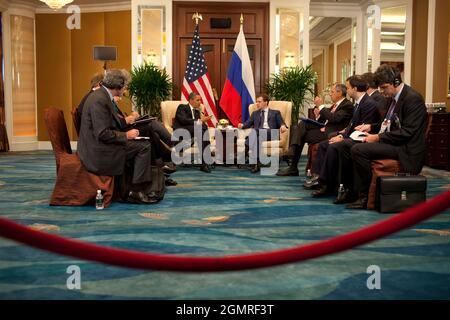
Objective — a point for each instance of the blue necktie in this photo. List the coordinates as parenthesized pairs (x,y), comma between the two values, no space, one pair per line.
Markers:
(391,110)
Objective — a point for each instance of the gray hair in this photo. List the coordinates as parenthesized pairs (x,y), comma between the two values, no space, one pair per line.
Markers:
(341,88)
(116,79)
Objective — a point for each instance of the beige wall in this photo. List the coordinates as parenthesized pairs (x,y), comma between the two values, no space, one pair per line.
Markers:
(440,83)
(344,53)
(419,46)
(64,58)
(318,66)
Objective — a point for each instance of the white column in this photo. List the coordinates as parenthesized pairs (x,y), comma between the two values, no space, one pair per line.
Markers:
(430,51)
(21,138)
(167,5)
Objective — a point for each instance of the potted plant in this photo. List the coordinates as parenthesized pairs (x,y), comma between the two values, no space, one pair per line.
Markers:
(149,86)
(292,84)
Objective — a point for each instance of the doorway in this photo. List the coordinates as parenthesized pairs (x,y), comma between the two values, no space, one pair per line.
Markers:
(218,39)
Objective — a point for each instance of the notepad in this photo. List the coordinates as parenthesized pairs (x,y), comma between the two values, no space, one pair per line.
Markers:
(142,138)
(358,135)
(313,122)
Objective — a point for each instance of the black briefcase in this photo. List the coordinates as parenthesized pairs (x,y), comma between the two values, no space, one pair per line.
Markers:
(396,193)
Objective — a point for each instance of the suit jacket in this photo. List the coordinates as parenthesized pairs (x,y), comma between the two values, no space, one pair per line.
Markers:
(274,120)
(183,117)
(101,145)
(338,119)
(408,132)
(367,113)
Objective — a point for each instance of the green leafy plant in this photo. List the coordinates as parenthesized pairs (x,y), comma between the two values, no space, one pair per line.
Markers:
(149,86)
(292,84)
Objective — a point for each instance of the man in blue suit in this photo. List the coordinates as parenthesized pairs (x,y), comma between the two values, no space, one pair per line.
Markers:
(263,120)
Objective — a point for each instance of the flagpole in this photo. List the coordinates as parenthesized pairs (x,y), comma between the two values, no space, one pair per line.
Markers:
(242,19)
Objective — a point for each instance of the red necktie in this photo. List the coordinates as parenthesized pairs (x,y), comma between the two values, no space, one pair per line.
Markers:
(333,108)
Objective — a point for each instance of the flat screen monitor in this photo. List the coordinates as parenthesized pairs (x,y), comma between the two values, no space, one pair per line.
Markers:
(105,53)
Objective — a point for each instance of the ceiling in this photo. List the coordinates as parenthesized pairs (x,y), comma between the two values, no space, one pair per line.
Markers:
(38,3)
(325,28)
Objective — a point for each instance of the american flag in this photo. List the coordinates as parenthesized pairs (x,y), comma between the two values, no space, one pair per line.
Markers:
(196,79)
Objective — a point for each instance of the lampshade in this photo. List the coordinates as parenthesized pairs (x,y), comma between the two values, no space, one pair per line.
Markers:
(56,4)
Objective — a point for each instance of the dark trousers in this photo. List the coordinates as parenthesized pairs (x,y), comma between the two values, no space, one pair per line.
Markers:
(156,131)
(362,155)
(256,145)
(139,152)
(327,164)
(304,134)
(204,146)
(345,166)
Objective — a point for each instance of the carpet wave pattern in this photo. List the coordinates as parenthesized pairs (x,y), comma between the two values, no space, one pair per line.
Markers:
(230,211)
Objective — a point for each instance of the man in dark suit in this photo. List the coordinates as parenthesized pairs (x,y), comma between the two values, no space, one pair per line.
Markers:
(104,146)
(189,117)
(401,136)
(335,119)
(262,119)
(327,163)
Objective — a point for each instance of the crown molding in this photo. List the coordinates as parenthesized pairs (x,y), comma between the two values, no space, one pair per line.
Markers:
(327,9)
(89,8)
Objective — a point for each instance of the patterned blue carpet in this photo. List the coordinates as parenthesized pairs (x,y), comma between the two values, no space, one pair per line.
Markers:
(230,211)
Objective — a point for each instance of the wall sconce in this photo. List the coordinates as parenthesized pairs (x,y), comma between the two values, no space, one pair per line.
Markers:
(289,60)
(152,57)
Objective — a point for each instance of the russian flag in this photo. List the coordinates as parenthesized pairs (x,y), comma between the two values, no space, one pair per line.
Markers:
(239,89)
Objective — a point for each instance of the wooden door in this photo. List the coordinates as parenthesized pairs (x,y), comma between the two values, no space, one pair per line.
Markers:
(218,43)
(254,52)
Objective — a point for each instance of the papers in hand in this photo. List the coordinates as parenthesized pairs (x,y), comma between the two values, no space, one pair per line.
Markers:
(313,122)
(142,138)
(358,135)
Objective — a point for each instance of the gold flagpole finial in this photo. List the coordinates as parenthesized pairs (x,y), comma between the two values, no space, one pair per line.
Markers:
(242,19)
(196,16)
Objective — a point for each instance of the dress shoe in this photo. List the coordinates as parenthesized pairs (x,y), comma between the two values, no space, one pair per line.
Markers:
(361,203)
(140,198)
(167,168)
(321,192)
(311,185)
(255,169)
(205,168)
(289,171)
(170,182)
(344,197)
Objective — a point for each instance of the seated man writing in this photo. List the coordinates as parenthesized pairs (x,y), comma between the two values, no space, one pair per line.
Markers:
(104,145)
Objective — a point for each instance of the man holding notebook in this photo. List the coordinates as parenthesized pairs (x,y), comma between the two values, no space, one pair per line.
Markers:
(333,119)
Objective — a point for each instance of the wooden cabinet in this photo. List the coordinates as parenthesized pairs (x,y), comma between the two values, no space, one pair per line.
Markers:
(438,140)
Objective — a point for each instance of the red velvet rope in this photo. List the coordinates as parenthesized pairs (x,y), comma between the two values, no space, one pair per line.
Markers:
(141,260)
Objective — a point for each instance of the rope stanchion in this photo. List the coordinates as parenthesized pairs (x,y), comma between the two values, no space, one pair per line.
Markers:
(163,262)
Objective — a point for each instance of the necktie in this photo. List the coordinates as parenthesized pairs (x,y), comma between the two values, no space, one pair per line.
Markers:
(193,113)
(333,108)
(356,108)
(350,126)
(391,110)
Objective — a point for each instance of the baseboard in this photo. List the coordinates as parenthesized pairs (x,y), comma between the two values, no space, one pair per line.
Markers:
(47,145)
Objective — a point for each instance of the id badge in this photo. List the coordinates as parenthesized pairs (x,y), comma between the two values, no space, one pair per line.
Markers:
(385,126)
